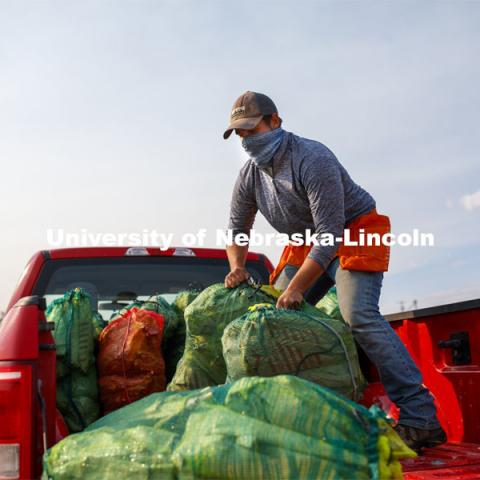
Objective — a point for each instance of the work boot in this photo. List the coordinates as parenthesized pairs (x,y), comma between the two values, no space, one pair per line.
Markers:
(419,438)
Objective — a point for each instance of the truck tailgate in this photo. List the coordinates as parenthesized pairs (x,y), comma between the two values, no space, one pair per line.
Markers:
(450,461)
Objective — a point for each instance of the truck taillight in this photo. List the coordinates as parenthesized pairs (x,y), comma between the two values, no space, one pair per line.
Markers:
(16,407)
(9,461)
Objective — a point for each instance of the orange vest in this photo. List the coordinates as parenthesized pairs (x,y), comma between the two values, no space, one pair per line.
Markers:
(363,257)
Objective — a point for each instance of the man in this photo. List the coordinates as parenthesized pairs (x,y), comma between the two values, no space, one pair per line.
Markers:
(298,184)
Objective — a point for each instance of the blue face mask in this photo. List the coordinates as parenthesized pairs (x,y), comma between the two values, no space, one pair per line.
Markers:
(261,147)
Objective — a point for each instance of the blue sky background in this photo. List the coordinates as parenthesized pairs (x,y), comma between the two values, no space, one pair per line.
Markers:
(111,115)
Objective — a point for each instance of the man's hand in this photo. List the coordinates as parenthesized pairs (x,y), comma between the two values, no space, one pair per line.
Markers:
(290,299)
(236,277)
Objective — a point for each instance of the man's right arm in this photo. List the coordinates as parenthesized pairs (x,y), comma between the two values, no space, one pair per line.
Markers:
(242,215)
(237,257)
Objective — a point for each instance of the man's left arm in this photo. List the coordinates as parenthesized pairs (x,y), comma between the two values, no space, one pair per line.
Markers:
(323,185)
(300,283)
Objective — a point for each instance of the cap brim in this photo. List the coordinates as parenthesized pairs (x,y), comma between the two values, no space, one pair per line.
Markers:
(248,123)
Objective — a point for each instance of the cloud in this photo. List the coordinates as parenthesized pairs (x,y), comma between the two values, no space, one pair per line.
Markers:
(471,201)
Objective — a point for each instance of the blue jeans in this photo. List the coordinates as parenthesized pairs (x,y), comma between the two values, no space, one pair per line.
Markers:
(358,297)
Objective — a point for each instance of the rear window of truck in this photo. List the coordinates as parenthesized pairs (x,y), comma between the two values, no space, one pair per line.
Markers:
(114,282)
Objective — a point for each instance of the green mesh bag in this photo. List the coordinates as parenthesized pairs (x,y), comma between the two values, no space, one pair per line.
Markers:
(74,330)
(202,363)
(329,304)
(175,345)
(267,341)
(159,305)
(77,399)
(184,299)
(257,428)
(98,324)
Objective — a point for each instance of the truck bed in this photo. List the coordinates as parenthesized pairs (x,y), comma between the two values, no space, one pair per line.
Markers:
(442,340)
(450,461)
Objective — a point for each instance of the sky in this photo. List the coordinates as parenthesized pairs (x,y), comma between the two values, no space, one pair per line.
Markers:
(112,114)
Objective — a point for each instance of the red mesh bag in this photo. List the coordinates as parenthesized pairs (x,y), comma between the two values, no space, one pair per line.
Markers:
(130,360)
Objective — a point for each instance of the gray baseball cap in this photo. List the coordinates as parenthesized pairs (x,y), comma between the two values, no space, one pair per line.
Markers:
(248,111)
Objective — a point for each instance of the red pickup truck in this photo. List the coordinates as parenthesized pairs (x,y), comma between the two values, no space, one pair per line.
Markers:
(443,341)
